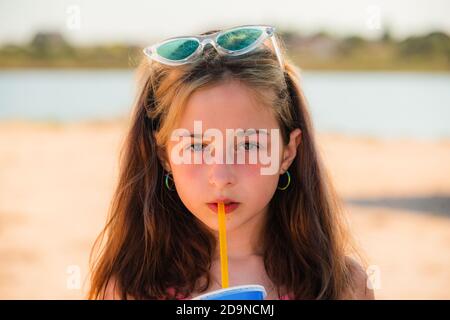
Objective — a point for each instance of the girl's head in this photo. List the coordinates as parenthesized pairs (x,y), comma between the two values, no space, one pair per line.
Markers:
(161,238)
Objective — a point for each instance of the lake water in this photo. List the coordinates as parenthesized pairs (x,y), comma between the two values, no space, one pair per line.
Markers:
(378,104)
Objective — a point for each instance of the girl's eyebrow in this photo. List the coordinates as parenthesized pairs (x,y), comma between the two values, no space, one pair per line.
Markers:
(250,132)
(246,132)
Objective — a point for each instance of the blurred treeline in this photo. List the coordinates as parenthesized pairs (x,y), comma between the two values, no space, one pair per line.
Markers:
(429,52)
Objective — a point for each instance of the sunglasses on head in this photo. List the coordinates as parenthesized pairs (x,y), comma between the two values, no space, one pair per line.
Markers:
(233,42)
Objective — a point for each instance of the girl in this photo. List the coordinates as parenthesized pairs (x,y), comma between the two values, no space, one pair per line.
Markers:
(285,230)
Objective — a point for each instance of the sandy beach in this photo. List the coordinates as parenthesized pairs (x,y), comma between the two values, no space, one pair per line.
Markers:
(56,182)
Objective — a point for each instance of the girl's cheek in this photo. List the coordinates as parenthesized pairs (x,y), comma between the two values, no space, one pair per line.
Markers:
(257,189)
(249,170)
(251,174)
(189,171)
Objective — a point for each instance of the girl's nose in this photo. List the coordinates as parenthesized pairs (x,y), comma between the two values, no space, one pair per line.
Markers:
(221,175)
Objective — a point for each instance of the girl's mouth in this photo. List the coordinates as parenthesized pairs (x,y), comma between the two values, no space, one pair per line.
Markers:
(229,207)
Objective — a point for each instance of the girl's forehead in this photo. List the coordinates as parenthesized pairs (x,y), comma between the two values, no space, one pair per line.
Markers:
(228,120)
(229,105)
(223,94)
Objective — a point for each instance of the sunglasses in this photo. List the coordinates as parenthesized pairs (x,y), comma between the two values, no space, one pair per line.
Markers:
(232,42)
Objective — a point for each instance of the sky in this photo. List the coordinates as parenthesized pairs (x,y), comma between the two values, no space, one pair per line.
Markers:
(142,22)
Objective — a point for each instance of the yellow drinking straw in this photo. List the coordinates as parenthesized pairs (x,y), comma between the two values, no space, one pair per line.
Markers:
(223,245)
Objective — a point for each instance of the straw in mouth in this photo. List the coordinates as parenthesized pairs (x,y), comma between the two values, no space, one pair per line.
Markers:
(223,245)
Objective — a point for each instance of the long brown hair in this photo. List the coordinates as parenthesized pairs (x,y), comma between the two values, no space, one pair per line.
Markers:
(154,243)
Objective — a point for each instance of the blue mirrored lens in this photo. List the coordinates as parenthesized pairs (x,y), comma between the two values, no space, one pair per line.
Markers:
(178,49)
(238,39)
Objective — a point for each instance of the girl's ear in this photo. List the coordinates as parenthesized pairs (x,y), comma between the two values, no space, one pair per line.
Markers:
(163,160)
(290,150)
(162,157)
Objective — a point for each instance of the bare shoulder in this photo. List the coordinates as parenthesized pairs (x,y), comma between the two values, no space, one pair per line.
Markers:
(360,291)
(112,290)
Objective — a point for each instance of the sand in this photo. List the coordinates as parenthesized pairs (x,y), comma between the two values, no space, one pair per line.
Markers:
(56,182)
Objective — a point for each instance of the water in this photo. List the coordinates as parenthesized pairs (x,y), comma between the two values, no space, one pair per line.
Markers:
(65,95)
(378,104)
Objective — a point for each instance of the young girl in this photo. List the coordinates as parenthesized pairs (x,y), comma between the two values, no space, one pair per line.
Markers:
(285,230)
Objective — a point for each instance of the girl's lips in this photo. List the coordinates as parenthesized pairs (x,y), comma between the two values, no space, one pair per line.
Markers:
(228,207)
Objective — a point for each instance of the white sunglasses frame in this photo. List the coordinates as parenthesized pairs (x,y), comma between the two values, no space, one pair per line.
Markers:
(267,32)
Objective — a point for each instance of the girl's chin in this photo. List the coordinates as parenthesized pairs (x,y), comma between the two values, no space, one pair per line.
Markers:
(213,225)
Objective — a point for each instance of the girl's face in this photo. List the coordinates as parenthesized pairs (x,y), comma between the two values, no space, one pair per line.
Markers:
(228,106)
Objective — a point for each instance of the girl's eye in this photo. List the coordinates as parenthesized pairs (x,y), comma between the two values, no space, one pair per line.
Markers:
(250,145)
(201,147)
(196,146)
